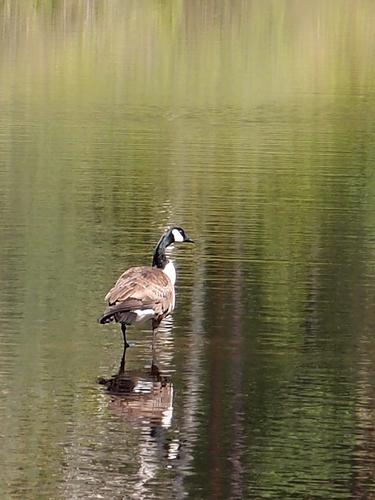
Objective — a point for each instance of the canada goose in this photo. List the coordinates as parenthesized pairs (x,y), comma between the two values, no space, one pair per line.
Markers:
(145,293)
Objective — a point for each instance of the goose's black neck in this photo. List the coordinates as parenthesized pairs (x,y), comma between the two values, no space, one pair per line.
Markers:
(160,259)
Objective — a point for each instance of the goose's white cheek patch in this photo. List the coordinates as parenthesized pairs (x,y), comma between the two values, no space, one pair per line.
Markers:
(177,236)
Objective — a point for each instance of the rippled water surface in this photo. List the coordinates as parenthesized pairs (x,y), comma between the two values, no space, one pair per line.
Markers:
(251,124)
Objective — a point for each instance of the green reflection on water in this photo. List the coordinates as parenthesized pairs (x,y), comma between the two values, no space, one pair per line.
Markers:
(250,124)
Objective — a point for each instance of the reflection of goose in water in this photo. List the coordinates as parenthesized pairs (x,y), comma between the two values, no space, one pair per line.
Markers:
(144,397)
(145,293)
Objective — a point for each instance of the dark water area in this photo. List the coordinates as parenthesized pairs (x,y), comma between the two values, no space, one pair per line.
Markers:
(251,125)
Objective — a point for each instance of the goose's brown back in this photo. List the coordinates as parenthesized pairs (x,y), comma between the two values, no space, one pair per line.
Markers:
(139,288)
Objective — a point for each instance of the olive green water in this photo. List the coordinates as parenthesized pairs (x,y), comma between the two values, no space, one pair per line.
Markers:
(252,125)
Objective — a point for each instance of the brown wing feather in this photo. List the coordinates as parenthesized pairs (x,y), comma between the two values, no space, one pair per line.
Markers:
(142,287)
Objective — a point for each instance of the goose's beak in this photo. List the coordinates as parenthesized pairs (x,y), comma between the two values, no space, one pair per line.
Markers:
(188,240)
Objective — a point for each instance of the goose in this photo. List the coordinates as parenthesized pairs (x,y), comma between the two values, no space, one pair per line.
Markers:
(145,293)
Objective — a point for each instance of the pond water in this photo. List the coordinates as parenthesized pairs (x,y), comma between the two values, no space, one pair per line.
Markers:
(251,125)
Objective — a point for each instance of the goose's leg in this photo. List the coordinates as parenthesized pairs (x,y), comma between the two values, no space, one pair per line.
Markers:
(123,329)
(122,363)
(155,325)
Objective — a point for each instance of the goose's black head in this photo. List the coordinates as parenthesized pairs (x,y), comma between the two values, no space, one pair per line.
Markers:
(173,234)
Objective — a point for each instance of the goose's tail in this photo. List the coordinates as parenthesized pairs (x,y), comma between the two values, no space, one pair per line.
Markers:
(119,313)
